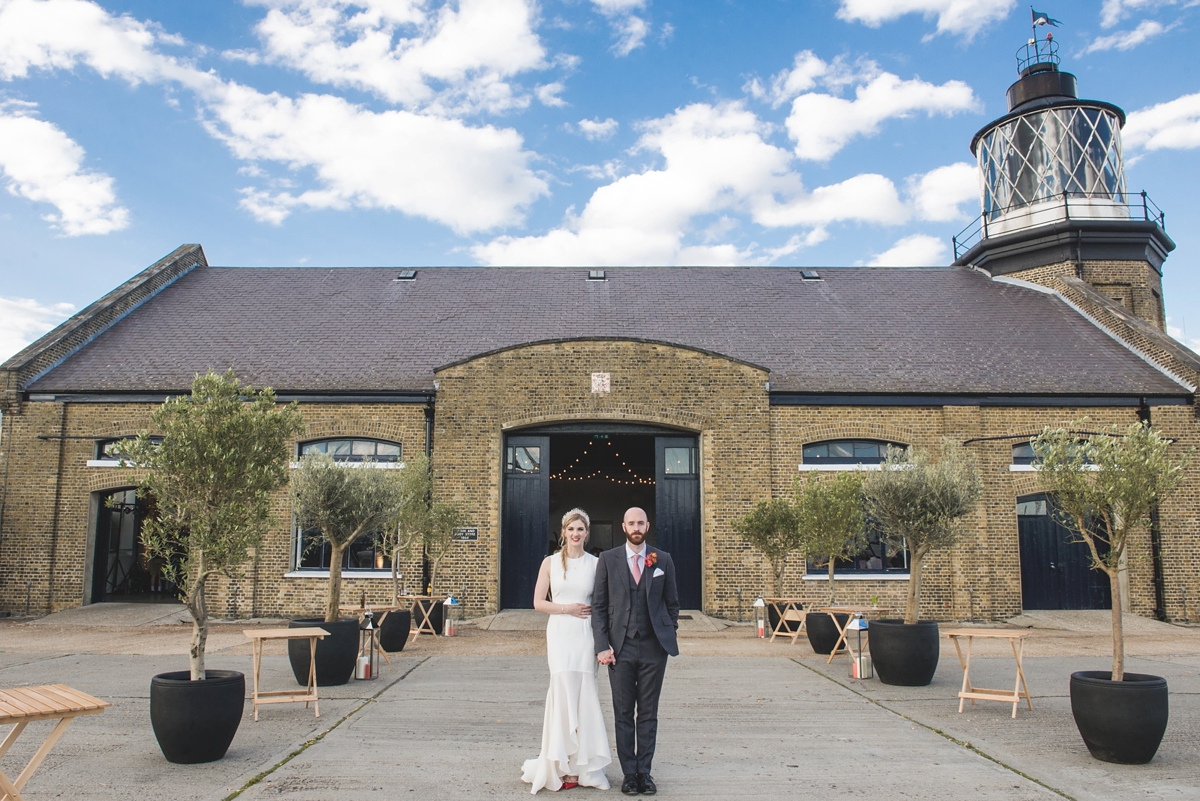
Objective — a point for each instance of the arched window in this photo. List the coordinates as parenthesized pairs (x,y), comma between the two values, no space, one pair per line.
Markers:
(1022,453)
(354,449)
(847,452)
(113,448)
(312,552)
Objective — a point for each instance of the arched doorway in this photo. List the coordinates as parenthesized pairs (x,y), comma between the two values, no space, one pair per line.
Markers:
(121,568)
(1056,568)
(604,469)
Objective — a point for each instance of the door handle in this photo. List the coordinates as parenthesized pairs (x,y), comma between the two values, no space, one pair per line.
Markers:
(1053,566)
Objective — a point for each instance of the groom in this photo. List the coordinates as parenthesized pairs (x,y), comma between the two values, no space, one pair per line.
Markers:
(635,612)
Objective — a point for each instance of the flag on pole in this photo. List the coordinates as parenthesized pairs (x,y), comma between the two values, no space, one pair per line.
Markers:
(1042,18)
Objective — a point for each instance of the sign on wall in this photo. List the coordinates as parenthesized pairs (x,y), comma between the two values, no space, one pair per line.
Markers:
(465,534)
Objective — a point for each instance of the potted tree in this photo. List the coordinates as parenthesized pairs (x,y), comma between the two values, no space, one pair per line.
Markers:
(223,452)
(1105,488)
(343,502)
(919,503)
(772,527)
(830,518)
(438,538)
(412,520)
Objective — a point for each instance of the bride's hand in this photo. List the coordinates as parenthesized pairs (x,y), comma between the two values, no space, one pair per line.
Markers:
(578,610)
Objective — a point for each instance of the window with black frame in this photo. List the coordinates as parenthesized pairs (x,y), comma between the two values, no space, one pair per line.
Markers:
(113,449)
(1022,454)
(364,553)
(847,452)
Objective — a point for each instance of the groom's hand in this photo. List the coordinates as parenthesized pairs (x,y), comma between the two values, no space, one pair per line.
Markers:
(606,657)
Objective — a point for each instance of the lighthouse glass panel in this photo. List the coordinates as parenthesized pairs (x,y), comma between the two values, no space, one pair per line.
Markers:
(1064,151)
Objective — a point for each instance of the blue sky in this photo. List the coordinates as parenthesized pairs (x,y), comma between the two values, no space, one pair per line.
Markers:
(423,132)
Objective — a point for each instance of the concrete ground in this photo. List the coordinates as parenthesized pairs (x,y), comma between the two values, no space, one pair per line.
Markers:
(740,718)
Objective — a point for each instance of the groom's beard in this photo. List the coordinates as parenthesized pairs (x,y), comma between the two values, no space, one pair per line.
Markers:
(635,538)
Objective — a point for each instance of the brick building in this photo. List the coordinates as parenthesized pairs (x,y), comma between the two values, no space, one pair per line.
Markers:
(694,392)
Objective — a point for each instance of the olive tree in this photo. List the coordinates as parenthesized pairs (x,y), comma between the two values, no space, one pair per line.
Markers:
(412,517)
(343,501)
(1105,487)
(224,451)
(919,502)
(443,519)
(772,527)
(829,514)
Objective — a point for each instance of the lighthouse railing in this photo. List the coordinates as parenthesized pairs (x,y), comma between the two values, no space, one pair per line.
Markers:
(1063,208)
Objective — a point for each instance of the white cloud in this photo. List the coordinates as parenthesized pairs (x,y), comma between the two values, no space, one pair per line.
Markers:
(468,178)
(598,129)
(1174,125)
(457,58)
(806,69)
(1127,40)
(939,194)
(963,17)
(23,320)
(548,94)
(822,124)
(717,163)
(43,164)
(918,250)
(1113,11)
(629,29)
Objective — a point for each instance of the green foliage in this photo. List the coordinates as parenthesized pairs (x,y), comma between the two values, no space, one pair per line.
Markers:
(829,514)
(224,450)
(920,503)
(772,527)
(438,536)
(1105,487)
(344,501)
(412,516)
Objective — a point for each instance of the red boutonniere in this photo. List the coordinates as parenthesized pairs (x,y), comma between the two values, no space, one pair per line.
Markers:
(651,558)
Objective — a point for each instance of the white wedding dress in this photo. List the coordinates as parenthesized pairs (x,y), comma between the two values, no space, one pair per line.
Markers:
(574,739)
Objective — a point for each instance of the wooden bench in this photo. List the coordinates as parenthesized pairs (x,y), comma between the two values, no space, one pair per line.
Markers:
(20,707)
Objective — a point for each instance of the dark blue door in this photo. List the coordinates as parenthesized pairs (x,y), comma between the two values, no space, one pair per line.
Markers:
(677,512)
(525,529)
(1056,571)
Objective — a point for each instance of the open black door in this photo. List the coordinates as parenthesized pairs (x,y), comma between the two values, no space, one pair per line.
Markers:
(677,512)
(524,530)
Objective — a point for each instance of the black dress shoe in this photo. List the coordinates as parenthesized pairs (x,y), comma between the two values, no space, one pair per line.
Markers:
(646,784)
(631,785)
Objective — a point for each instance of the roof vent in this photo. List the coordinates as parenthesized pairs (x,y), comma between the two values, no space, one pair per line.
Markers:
(810,275)
(406,275)
(596,275)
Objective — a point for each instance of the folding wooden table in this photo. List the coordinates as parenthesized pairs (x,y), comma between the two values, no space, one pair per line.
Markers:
(849,612)
(361,611)
(789,611)
(19,707)
(312,634)
(422,614)
(1016,638)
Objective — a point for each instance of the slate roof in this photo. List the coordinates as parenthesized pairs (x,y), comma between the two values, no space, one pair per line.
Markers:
(860,330)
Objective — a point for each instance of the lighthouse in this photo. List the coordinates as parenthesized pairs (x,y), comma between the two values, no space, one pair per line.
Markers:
(1054,201)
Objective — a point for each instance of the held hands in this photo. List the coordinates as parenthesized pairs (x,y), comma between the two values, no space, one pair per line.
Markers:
(577,610)
(606,657)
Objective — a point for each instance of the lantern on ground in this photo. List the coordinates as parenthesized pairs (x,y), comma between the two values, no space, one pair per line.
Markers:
(760,617)
(365,667)
(451,608)
(860,663)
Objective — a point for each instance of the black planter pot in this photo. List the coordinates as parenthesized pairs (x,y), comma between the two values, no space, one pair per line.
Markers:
(394,630)
(822,634)
(335,654)
(194,721)
(1121,721)
(904,655)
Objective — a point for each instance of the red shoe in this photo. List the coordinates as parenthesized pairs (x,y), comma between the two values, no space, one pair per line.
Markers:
(569,785)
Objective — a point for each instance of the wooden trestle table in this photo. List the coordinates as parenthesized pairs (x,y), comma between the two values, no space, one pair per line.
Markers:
(21,706)
(1016,638)
(312,634)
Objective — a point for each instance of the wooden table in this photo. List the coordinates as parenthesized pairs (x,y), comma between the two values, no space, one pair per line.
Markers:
(312,634)
(422,614)
(374,610)
(19,707)
(789,610)
(1016,638)
(849,612)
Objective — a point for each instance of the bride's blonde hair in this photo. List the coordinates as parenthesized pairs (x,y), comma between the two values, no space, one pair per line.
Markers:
(569,518)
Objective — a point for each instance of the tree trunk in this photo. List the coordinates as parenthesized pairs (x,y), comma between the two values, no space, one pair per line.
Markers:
(831,565)
(395,577)
(195,606)
(1118,668)
(335,583)
(433,567)
(777,577)
(914,587)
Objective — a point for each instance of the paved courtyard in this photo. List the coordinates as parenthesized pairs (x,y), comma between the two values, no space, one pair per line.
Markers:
(740,718)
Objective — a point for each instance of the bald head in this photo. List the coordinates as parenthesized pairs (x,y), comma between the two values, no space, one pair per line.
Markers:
(636,526)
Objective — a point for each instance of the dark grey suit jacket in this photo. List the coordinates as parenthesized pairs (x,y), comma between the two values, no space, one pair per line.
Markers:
(610,600)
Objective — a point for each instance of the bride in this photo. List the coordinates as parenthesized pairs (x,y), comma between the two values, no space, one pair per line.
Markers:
(574,740)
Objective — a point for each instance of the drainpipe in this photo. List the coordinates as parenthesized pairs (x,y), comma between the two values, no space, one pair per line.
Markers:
(62,444)
(1160,604)
(428,454)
